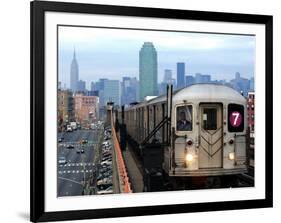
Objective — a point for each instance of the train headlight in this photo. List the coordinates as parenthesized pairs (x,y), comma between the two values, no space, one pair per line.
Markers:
(189,157)
(231,156)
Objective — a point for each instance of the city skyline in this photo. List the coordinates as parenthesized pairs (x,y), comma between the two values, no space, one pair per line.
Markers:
(130,90)
(114,53)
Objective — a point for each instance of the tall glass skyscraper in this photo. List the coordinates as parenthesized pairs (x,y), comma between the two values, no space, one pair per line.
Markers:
(74,74)
(180,75)
(148,70)
(112,91)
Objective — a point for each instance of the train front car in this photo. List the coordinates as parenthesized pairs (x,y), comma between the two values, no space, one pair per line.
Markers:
(209,125)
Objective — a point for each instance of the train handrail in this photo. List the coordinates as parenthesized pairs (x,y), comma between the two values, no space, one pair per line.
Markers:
(152,133)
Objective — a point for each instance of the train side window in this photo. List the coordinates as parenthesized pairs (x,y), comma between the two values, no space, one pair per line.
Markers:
(235,118)
(184,118)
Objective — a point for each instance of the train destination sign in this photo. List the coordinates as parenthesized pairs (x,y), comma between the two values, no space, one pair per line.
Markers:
(235,118)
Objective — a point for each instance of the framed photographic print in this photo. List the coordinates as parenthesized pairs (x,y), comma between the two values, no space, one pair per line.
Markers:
(144,111)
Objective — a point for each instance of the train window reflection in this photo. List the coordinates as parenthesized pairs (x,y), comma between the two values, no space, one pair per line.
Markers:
(210,119)
(184,118)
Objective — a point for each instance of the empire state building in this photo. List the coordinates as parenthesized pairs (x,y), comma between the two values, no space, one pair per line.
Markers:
(74,74)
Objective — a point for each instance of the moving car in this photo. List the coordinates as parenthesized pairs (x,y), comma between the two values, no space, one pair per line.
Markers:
(62,160)
(70,146)
(84,141)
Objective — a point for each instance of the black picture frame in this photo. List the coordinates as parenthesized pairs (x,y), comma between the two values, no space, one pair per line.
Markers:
(37,157)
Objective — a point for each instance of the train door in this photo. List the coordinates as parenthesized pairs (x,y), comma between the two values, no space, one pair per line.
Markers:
(211,136)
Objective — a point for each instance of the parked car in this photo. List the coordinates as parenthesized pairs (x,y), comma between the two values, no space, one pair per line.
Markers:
(69,128)
(105,169)
(107,147)
(107,138)
(105,143)
(106,162)
(108,190)
(104,181)
(107,158)
(106,153)
(104,186)
(106,173)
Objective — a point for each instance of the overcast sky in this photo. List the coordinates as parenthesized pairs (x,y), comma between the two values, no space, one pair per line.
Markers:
(114,53)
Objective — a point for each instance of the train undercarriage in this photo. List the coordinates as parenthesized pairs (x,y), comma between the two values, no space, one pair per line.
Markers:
(156,179)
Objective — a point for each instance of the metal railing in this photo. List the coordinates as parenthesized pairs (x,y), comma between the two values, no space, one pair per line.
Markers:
(122,172)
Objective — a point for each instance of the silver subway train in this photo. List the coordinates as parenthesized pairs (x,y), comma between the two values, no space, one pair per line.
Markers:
(206,132)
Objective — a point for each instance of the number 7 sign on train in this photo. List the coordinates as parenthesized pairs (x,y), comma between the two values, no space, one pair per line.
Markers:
(235,118)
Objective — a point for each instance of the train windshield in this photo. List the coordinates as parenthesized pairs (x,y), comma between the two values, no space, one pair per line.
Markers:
(184,118)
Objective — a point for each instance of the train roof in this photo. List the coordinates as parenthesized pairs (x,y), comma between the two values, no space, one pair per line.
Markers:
(209,91)
(197,92)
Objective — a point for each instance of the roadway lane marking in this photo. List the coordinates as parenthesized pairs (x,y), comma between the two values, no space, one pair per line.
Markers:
(76,164)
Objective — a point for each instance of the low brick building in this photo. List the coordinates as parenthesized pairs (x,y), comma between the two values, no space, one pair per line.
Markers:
(251,110)
(86,109)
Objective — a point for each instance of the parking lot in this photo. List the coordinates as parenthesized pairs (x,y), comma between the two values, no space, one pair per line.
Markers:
(104,179)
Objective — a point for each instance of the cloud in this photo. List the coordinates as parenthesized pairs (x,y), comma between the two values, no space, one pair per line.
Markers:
(111,39)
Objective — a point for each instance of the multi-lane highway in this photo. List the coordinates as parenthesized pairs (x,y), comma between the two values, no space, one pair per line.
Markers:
(76,162)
